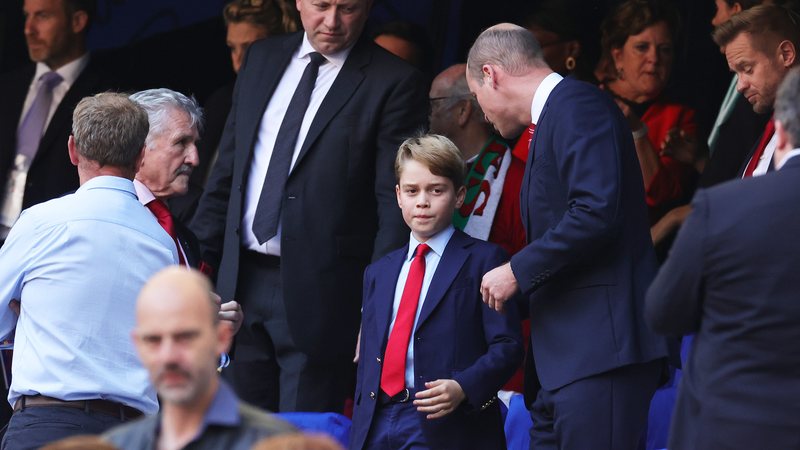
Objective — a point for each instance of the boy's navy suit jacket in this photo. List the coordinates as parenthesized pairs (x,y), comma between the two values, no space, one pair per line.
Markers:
(457,337)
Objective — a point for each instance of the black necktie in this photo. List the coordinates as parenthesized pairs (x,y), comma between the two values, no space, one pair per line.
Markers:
(265,223)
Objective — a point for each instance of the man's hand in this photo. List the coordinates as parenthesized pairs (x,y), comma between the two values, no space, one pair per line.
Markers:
(14,305)
(498,285)
(440,399)
(230,312)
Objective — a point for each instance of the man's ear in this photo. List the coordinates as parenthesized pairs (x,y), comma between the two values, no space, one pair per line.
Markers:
(489,73)
(140,158)
(464,112)
(73,150)
(79,22)
(788,53)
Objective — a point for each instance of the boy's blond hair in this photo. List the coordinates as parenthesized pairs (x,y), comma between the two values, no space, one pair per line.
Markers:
(439,154)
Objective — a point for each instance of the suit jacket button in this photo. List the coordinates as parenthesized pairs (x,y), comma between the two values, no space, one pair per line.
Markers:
(372,395)
(378,359)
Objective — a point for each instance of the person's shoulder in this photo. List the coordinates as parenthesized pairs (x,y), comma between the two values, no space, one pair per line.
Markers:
(477,247)
(289,41)
(134,431)
(257,419)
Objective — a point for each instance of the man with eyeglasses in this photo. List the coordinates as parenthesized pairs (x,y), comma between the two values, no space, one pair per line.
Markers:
(491,208)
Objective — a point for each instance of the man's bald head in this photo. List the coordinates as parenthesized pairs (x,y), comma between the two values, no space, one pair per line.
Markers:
(175,285)
(505,45)
(179,337)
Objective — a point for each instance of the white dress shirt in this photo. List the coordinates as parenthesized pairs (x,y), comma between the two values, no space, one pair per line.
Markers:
(268,133)
(766,157)
(437,244)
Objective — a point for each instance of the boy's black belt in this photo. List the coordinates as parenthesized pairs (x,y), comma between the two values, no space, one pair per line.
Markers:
(406,395)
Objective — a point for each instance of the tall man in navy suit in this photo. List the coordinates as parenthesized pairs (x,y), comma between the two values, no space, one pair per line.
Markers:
(34,163)
(293,252)
(589,257)
(731,278)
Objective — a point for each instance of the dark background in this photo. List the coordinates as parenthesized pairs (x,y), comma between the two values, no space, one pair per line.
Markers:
(180,44)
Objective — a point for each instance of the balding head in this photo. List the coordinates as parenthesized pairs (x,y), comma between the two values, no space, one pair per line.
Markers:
(455,112)
(179,337)
(506,45)
(176,289)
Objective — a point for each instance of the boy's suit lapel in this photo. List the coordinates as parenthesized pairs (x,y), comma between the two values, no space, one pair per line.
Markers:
(452,260)
(384,291)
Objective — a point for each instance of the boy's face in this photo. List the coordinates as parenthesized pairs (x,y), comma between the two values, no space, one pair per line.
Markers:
(427,200)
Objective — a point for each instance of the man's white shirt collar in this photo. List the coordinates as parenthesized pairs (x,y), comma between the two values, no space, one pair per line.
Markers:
(69,72)
(542,93)
(336,59)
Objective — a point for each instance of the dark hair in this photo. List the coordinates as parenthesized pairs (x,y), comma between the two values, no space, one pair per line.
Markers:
(277,16)
(632,17)
(767,24)
(88,6)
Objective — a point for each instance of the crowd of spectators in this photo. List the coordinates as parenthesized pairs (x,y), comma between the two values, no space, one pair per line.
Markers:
(618,225)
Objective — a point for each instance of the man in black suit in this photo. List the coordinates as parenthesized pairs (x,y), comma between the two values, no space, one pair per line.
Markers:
(731,278)
(170,156)
(334,211)
(34,164)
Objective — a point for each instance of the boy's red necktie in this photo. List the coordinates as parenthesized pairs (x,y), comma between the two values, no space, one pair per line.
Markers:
(394,361)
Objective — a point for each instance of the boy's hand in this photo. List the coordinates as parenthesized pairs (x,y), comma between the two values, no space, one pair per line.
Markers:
(498,285)
(440,399)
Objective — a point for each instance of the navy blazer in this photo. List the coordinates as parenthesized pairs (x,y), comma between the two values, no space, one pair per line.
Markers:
(732,278)
(339,208)
(51,173)
(590,258)
(457,337)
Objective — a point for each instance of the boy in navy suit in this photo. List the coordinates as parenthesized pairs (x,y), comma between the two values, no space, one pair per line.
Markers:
(432,354)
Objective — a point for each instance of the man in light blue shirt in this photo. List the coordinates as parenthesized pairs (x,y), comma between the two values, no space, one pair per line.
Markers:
(76,265)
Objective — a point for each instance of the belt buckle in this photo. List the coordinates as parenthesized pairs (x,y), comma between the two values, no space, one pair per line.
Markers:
(406,396)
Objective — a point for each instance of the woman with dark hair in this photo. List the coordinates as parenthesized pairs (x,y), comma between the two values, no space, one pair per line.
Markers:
(637,41)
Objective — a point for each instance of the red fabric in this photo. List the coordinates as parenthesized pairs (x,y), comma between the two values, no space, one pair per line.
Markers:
(507,229)
(164,217)
(394,360)
(674,178)
(769,130)
(522,147)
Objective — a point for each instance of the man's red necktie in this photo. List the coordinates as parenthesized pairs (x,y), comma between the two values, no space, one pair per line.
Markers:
(160,210)
(394,360)
(762,145)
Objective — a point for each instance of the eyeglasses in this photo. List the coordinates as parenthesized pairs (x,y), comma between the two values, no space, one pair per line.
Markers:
(432,100)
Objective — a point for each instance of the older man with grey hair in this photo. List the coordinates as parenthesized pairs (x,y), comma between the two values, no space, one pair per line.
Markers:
(170,155)
(76,264)
(491,207)
(589,257)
